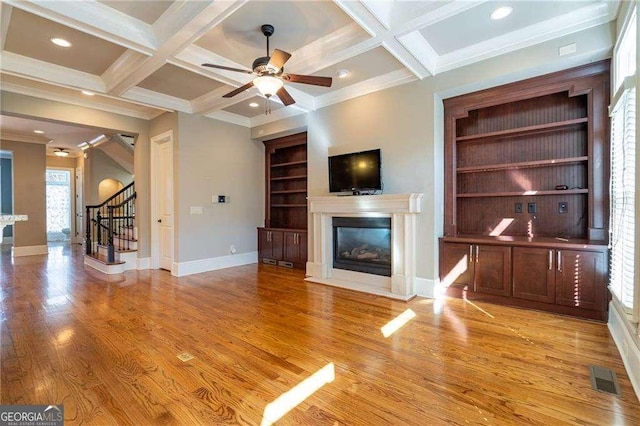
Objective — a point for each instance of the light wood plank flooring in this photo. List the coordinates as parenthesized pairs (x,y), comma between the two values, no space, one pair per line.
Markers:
(262,337)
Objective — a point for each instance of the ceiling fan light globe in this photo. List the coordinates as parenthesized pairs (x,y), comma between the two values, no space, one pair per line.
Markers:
(268,85)
(61,153)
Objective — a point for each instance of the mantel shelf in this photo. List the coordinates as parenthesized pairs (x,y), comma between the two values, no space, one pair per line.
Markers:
(531,193)
(524,130)
(522,165)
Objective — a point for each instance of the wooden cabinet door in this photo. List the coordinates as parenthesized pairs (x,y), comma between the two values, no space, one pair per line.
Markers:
(493,270)
(295,247)
(457,265)
(581,279)
(534,274)
(270,244)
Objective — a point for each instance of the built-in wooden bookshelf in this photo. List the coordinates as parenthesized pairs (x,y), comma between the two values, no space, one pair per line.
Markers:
(282,240)
(524,163)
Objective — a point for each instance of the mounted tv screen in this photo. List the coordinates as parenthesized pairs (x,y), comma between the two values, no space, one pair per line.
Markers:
(355,172)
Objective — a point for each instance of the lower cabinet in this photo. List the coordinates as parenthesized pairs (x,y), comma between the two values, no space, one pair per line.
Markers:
(569,281)
(478,268)
(564,277)
(282,247)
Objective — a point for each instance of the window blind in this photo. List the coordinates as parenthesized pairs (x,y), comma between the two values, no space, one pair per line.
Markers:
(623,189)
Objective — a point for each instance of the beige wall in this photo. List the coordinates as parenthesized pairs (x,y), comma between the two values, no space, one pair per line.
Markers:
(98,167)
(64,162)
(27,106)
(29,192)
(217,158)
(406,122)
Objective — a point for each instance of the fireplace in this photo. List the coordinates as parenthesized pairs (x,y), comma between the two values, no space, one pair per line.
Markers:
(362,244)
(402,211)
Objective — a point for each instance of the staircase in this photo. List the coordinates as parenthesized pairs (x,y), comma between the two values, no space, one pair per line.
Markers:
(111,236)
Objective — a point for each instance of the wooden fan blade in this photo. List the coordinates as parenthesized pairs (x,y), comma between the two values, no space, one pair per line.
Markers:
(285,97)
(239,90)
(220,67)
(308,79)
(278,59)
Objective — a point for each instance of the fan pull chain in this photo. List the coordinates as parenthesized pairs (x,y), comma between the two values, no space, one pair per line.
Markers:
(267,106)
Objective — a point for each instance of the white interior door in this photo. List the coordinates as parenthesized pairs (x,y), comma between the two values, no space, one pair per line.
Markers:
(162,203)
(165,205)
(79,206)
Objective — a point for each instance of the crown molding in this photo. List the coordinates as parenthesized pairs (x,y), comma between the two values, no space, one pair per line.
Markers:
(25,138)
(38,93)
(230,117)
(394,78)
(582,19)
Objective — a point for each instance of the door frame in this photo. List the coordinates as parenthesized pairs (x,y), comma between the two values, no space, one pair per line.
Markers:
(156,141)
(72,200)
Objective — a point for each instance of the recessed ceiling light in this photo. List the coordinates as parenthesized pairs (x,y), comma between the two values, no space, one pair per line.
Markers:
(342,73)
(88,93)
(254,105)
(60,42)
(501,13)
(38,131)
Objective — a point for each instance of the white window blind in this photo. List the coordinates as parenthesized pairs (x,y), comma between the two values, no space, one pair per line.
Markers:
(623,189)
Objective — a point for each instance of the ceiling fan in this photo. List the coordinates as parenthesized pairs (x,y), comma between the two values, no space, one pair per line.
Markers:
(270,75)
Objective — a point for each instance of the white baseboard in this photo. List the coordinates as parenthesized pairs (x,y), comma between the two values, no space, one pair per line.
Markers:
(130,260)
(628,346)
(29,250)
(425,287)
(204,265)
(143,263)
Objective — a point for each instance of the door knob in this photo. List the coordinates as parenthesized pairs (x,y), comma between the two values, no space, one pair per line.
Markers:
(159,220)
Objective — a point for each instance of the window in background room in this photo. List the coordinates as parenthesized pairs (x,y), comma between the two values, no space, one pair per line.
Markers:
(623,173)
(58,205)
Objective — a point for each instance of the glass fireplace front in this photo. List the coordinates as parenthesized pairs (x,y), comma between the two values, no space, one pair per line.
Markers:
(362,244)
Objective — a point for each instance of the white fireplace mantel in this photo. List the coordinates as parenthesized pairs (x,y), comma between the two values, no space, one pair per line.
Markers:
(401,208)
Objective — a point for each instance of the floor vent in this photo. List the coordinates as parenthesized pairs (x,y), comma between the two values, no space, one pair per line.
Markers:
(185,356)
(604,380)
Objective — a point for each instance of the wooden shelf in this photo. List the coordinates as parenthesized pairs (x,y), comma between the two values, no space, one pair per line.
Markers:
(524,130)
(290,191)
(289,177)
(290,163)
(288,205)
(522,165)
(523,193)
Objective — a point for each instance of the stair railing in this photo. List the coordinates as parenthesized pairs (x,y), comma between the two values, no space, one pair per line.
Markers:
(114,218)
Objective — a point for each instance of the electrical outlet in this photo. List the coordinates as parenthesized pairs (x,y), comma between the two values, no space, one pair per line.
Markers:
(518,208)
(563,207)
(222,198)
(532,208)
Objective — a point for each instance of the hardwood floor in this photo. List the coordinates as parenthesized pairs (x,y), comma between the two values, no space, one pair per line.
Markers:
(106,348)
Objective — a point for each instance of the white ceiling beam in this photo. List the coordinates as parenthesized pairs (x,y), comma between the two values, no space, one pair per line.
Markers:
(25,138)
(34,69)
(160,100)
(95,18)
(382,36)
(5,18)
(214,101)
(180,25)
(419,47)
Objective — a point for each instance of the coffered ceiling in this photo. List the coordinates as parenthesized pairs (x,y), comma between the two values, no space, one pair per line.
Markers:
(142,58)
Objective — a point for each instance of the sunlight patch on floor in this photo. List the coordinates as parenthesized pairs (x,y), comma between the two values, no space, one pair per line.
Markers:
(395,324)
(478,308)
(296,395)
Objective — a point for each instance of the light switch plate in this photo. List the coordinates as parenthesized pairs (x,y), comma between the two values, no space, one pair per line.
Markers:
(197,210)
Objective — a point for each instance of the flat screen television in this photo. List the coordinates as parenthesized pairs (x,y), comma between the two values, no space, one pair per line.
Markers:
(356,172)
